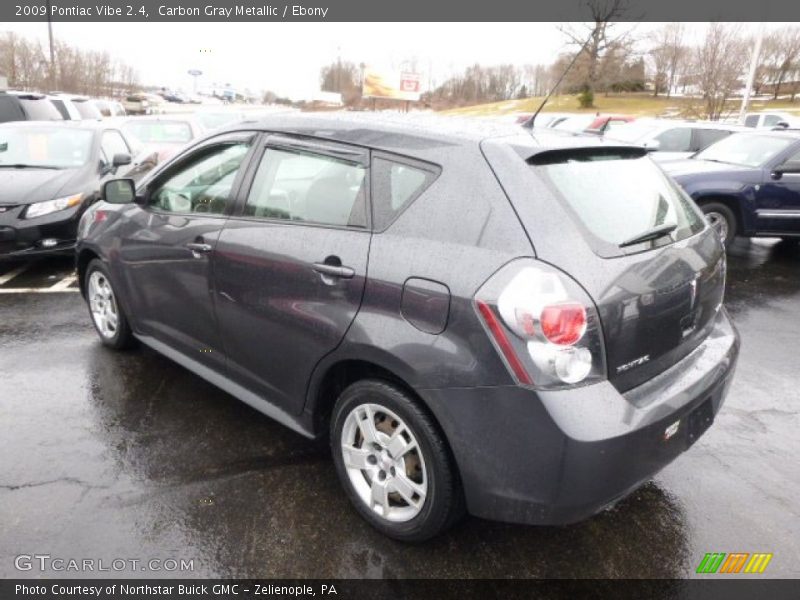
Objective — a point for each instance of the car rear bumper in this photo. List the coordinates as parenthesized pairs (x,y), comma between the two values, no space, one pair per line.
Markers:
(559,457)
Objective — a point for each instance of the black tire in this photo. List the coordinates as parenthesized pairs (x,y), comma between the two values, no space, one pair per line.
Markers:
(443,503)
(718,210)
(122,337)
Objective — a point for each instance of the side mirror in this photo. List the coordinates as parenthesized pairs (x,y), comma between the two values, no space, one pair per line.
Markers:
(790,167)
(652,145)
(119,191)
(121,159)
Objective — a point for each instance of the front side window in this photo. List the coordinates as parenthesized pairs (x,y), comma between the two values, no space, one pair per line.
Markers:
(113,144)
(203,184)
(312,188)
(772,120)
(678,139)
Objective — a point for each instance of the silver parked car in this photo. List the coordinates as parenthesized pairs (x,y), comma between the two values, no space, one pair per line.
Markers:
(669,140)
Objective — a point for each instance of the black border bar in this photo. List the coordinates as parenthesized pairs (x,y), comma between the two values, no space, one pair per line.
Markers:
(392,11)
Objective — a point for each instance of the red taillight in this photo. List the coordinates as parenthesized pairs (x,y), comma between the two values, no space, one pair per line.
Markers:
(503,343)
(563,324)
(100,216)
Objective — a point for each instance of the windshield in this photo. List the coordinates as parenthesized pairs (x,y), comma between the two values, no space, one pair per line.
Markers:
(214,120)
(159,132)
(53,148)
(619,196)
(632,132)
(746,149)
(577,123)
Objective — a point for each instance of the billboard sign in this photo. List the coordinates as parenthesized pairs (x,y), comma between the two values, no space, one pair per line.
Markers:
(395,85)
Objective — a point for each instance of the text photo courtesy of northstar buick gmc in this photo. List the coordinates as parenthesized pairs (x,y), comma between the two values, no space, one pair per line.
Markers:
(521,326)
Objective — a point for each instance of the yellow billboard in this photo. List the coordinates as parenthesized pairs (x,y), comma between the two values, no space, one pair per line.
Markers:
(396,85)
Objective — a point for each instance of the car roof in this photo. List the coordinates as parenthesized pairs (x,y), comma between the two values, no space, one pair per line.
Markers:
(415,132)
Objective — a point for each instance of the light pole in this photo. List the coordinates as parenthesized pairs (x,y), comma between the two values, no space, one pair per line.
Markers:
(52,77)
(751,75)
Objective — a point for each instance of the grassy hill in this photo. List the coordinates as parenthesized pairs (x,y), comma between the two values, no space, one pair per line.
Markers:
(640,105)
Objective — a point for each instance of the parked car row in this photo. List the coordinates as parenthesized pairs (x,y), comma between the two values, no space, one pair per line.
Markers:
(746,179)
(56,106)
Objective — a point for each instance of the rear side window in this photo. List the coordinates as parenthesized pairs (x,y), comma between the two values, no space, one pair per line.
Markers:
(40,109)
(678,139)
(87,110)
(59,104)
(395,185)
(751,121)
(307,187)
(617,197)
(703,138)
(10,109)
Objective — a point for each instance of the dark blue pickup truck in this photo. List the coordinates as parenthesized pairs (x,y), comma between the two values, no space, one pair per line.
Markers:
(747,184)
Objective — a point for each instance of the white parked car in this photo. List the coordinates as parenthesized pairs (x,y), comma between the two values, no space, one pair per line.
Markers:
(768,120)
(669,140)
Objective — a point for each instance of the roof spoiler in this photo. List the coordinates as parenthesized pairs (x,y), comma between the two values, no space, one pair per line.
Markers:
(585,153)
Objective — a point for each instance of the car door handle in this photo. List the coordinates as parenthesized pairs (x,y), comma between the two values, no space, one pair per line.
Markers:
(334,270)
(199,248)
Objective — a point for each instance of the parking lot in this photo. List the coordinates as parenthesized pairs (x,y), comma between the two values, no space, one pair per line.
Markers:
(127,455)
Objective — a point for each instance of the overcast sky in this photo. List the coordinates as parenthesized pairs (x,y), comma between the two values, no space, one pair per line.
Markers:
(286,57)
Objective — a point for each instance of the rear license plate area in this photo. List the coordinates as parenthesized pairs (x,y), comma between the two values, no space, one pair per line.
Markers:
(698,421)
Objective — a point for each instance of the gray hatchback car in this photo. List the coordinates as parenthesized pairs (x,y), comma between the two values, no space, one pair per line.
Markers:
(525,327)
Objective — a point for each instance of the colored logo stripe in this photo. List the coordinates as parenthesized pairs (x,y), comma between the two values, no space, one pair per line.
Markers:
(758,562)
(714,562)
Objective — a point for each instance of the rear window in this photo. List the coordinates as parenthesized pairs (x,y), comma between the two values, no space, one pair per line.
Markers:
(616,196)
(87,110)
(40,110)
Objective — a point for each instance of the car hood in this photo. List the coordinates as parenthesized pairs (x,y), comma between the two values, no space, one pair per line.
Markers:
(29,185)
(681,169)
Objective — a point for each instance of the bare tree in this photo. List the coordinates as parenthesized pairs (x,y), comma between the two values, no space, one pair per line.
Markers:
(719,62)
(596,37)
(785,58)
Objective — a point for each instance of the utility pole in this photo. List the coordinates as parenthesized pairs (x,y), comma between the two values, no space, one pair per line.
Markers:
(52,74)
(751,75)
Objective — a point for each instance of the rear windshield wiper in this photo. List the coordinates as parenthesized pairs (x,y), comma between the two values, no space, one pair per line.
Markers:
(650,234)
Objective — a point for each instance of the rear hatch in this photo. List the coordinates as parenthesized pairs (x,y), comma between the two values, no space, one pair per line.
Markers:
(588,210)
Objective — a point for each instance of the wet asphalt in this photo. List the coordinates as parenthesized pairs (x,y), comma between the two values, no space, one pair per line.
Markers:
(109,455)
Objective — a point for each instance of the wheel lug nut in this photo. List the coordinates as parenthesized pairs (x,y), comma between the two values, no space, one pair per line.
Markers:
(392,471)
(381,475)
(371,459)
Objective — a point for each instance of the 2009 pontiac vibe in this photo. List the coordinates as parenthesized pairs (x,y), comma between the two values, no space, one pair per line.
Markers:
(523,326)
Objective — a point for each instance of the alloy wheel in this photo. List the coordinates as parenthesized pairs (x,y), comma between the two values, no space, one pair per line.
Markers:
(103,305)
(384,462)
